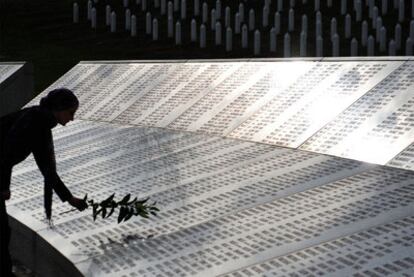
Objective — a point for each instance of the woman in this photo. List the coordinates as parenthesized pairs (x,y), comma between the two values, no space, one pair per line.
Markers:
(29,131)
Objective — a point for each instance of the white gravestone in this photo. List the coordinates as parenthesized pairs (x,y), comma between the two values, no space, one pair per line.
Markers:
(193,30)
(257,43)
(229,40)
(392,50)
(218,35)
(205,13)
(277,23)
(348,26)
(170,27)
(203,36)
(291,24)
(383,39)
(148,23)
(75,13)
(335,45)
(218,9)
(273,40)
(286,46)
(364,33)
(371,46)
(227,17)
(113,22)
(127,20)
(155,29)
(354,47)
(303,44)
(196,7)
(237,23)
(244,37)
(133,26)
(265,17)
(398,36)
(319,46)
(183,9)
(93,18)
(178,40)
(213,19)
(251,20)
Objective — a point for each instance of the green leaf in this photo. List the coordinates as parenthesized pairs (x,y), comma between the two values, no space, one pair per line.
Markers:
(94,211)
(103,212)
(143,201)
(107,201)
(129,214)
(133,201)
(125,200)
(122,213)
(112,210)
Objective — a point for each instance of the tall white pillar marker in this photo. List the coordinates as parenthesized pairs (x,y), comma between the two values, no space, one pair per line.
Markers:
(257,43)
(133,26)
(371,46)
(203,36)
(183,9)
(392,51)
(286,46)
(398,36)
(113,22)
(354,47)
(229,40)
(155,35)
(348,26)
(193,30)
(303,44)
(251,20)
(237,23)
(335,45)
(291,25)
(364,33)
(244,37)
(265,17)
(273,40)
(127,20)
(148,23)
(108,15)
(205,13)
(218,35)
(319,46)
(178,33)
(75,13)
(93,18)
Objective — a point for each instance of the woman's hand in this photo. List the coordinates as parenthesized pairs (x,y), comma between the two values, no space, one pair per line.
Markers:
(78,203)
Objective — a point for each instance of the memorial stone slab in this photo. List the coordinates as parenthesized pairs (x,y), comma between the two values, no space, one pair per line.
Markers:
(235,99)
(229,205)
(265,231)
(405,159)
(381,119)
(312,101)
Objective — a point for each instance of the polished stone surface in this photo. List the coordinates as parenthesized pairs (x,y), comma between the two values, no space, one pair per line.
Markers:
(207,141)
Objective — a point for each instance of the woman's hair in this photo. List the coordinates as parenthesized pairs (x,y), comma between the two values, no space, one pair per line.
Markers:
(59,99)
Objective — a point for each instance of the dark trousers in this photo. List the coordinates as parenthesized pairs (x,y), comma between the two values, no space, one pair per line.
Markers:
(5,260)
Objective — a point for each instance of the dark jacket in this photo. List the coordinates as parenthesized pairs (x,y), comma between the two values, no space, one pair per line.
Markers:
(29,131)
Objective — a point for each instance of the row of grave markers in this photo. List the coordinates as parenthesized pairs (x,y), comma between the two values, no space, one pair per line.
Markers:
(243,26)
